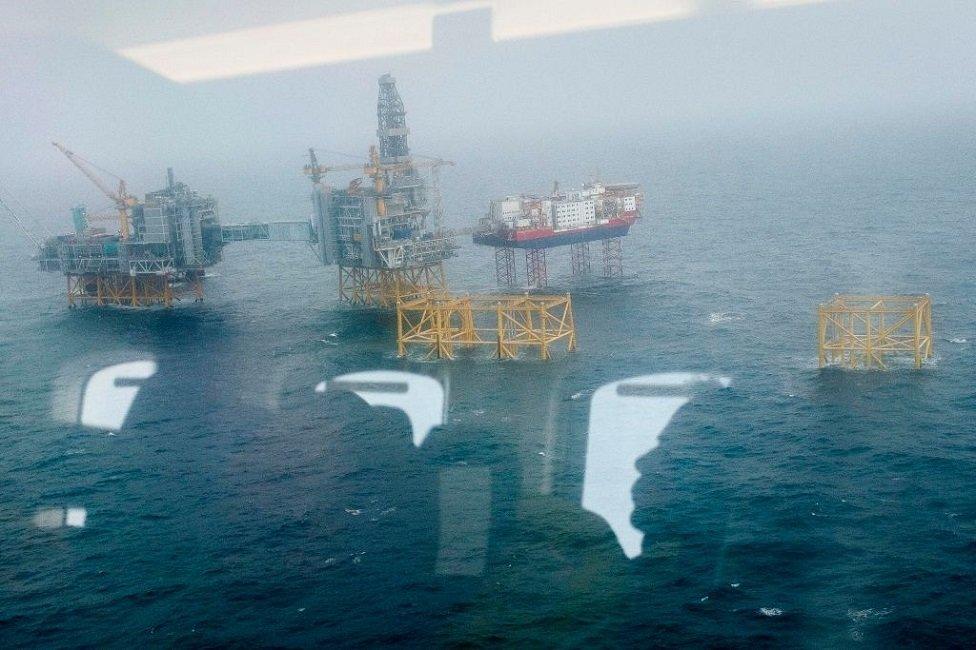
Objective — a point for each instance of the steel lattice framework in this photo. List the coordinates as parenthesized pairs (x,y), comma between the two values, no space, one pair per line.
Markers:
(142,290)
(535,268)
(580,258)
(505,273)
(391,120)
(862,331)
(613,264)
(506,323)
(384,288)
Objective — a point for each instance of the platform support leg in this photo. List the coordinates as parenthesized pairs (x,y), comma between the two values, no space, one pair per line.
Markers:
(579,255)
(612,258)
(505,274)
(196,284)
(535,268)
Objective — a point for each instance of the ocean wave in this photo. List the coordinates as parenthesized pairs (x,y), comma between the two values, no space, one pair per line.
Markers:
(859,617)
(864,614)
(724,317)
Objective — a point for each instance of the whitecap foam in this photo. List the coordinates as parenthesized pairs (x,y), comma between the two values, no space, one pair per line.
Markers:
(859,617)
(864,614)
(770,611)
(724,317)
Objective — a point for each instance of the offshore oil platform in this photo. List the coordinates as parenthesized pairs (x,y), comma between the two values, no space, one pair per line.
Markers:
(384,234)
(160,251)
(597,212)
(383,230)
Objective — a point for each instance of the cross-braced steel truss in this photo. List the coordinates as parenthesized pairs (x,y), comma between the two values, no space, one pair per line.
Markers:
(139,290)
(535,267)
(384,288)
(862,331)
(505,273)
(613,265)
(579,257)
(508,324)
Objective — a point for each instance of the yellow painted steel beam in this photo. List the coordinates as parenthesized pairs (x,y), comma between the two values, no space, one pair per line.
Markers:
(123,290)
(508,323)
(385,288)
(856,330)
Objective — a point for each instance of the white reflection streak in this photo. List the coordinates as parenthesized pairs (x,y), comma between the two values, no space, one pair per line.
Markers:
(106,403)
(773,4)
(292,45)
(419,397)
(75,517)
(382,32)
(61,517)
(395,31)
(626,421)
(516,19)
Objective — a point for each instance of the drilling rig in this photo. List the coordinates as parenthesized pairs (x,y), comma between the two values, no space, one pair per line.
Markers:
(383,230)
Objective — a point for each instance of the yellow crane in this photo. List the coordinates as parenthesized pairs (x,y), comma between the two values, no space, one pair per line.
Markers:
(315,171)
(374,169)
(120,196)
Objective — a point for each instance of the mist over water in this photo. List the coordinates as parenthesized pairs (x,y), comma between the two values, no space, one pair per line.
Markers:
(799,506)
(238,506)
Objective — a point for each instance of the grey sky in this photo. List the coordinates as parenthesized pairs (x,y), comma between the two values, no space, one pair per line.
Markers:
(731,65)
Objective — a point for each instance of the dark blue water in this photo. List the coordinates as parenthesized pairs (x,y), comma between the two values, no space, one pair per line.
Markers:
(798,506)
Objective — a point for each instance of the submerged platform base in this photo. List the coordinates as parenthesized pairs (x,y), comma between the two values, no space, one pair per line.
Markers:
(384,288)
(505,323)
(139,291)
(863,331)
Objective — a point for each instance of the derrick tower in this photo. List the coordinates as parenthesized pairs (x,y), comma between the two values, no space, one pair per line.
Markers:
(382,230)
(392,121)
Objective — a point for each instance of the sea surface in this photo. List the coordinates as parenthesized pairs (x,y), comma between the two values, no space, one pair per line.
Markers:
(798,506)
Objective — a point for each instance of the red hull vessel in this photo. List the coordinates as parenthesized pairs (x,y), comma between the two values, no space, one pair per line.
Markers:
(547,237)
